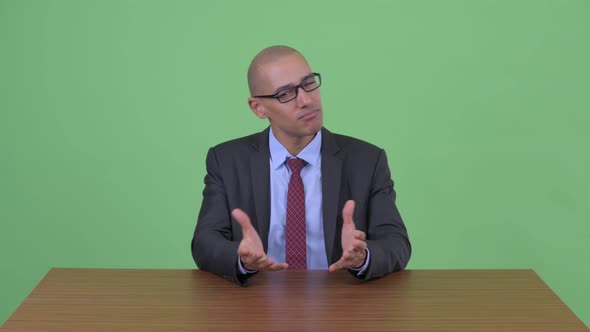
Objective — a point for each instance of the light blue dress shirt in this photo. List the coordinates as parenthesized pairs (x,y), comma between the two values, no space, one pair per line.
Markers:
(311,174)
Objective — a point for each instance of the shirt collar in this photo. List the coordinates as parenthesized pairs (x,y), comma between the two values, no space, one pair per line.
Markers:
(278,153)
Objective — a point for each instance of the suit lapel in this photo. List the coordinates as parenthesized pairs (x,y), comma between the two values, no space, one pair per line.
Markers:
(331,175)
(260,175)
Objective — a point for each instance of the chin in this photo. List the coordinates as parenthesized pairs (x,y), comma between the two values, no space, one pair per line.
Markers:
(314,130)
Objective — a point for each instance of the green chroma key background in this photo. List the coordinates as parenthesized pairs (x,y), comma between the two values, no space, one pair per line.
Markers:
(108,109)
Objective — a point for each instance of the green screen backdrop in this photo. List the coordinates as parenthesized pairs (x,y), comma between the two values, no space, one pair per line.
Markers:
(107,109)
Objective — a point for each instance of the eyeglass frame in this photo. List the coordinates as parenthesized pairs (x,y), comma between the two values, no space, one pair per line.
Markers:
(296,87)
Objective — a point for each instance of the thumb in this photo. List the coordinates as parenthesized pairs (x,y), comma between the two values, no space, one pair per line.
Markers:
(242,218)
(347,212)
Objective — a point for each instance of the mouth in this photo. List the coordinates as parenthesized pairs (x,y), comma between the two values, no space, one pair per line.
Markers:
(309,115)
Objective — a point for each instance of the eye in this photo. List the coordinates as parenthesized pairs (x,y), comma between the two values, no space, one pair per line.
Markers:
(286,92)
(283,93)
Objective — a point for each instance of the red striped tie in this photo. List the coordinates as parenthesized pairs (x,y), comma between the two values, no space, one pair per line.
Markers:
(295,232)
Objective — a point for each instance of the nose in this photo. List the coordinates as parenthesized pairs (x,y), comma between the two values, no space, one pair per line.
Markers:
(303,97)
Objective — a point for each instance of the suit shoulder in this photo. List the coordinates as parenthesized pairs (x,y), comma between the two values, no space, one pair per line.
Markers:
(237,145)
(354,144)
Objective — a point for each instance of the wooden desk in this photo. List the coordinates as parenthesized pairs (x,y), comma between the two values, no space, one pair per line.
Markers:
(183,300)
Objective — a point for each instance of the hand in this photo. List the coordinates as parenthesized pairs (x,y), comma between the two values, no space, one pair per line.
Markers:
(354,247)
(250,249)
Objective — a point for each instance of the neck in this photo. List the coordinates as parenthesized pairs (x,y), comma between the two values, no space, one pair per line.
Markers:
(293,144)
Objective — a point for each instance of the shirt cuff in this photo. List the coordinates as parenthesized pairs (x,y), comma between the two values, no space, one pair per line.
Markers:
(361,270)
(243,270)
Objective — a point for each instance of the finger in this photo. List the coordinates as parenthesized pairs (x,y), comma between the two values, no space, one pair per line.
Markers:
(243,251)
(277,267)
(267,264)
(263,264)
(353,261)
(251,259)
(352,254)
(346,255)
(360,235)
(358,258)
(359,245)
(336,266)
(242,218)
(347,212)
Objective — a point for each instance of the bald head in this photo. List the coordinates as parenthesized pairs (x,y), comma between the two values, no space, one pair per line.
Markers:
(267,55)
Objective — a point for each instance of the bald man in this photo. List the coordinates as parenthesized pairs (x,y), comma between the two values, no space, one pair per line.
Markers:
(296,196)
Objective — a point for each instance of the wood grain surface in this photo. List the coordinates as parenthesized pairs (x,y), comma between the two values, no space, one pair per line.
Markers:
(192,300)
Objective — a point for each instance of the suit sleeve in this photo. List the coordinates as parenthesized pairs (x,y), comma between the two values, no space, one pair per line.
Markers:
(213,246)
(387,237)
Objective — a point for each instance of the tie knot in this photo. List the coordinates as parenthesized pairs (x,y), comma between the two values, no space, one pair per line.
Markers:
(295,164)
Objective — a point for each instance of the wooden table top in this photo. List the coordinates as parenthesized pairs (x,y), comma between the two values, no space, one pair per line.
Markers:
(192,300)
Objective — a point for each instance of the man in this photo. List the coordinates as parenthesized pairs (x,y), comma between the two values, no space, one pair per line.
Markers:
(296,196)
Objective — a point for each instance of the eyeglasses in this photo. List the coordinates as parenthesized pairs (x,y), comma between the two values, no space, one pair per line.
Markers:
(290,92)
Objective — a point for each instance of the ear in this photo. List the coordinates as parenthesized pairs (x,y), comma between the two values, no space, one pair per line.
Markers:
(258,108)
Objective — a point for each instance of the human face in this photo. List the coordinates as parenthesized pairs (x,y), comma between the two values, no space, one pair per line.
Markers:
(299,118)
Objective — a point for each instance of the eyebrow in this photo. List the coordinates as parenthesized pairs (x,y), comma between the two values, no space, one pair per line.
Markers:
(290,85)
